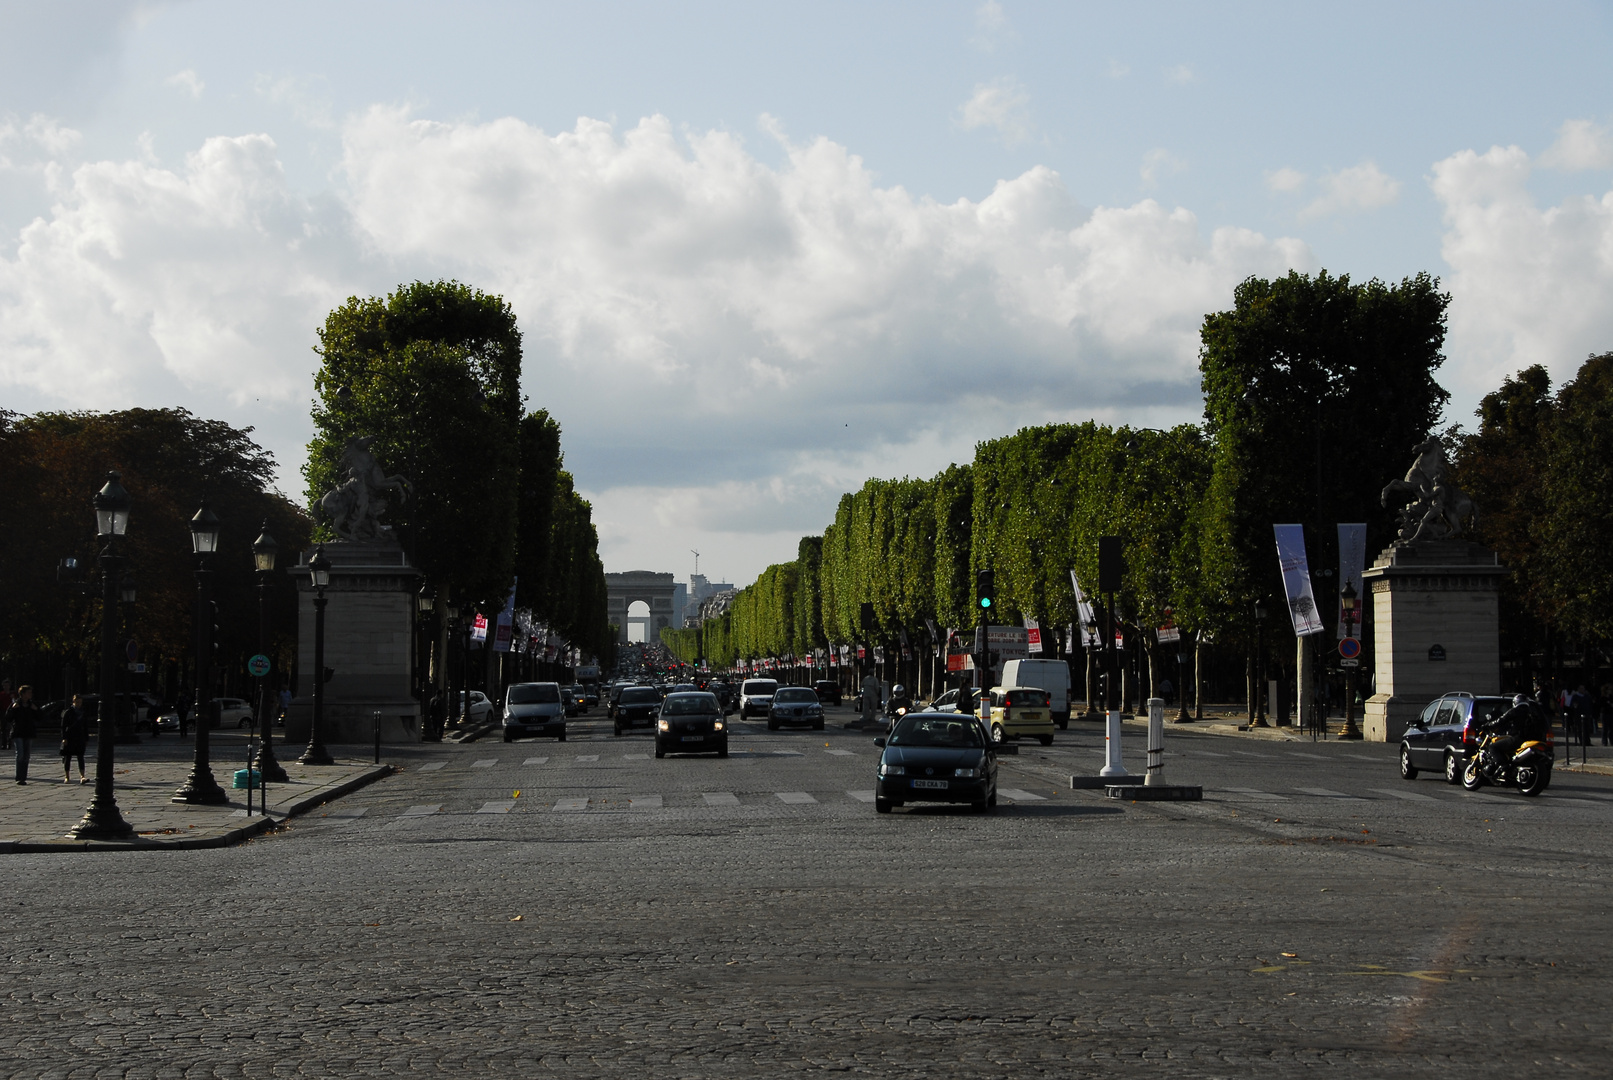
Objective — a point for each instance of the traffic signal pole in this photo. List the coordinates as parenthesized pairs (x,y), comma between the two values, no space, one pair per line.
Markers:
(986,591)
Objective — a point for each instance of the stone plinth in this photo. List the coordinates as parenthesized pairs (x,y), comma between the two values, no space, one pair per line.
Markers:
(1436,629)
(369,631)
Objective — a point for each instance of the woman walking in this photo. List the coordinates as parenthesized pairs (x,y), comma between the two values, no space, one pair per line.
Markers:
(75,736)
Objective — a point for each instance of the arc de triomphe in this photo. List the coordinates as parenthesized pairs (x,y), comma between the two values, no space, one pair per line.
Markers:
(623,590)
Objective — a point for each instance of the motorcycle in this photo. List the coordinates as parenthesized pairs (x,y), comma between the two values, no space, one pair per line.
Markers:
(1528,768)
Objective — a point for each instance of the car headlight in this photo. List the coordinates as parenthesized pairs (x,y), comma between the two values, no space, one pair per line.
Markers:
(892,770)
(967,774)
(664,726)
(716,725)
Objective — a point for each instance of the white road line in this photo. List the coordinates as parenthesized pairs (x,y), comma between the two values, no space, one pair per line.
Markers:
(484,763)
(571,804)
(430,765)
(840,753)
(788,753)
(1409,796)
(720,798)
(536,761)
(644,802)
(1198,753)
(1020,796)
(1365,757)
(423,810)
(635,757)
(586,757)
(794,798)
(862,796)
(1313,757)
(1256,793)
(1328,793)
(503,807)
(350,814)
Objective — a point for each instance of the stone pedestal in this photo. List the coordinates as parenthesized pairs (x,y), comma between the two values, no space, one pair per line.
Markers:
(369,633)
(1436,629)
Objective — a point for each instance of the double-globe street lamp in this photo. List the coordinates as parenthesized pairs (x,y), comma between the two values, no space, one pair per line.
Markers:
(1347,601)
(199,786)
(319,576)
(263,556)
(101,820)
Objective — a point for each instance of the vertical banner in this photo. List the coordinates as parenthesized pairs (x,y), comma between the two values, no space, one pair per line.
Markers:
(1083,608)
(1297,580)
(1352,563)
(1033,635)
(478,629)
(505,630)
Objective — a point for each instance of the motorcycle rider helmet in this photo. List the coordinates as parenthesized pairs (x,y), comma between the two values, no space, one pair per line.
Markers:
(1520,699)
(898,689)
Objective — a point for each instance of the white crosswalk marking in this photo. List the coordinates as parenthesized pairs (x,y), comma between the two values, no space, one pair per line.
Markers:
(720,798)
(795,798)
(1020,796)
(536,761)
(635,757)
(503,807)
(644,802)
(423,810)
(1256,793)
(484,763)
(347,816)
(430,765)
(1328,793)
(840,753)
(1409,796)
(571,804)
(586,757)
(862,796)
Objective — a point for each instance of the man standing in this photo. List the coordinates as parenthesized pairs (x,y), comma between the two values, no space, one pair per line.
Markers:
(23,719)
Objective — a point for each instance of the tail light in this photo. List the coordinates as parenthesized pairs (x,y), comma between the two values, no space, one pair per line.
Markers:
(1467,732)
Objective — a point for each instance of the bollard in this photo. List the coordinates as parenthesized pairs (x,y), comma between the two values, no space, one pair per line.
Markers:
(1111,746)
(1156,742)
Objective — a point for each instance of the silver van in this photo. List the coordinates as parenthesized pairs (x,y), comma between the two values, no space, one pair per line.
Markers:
(534,708)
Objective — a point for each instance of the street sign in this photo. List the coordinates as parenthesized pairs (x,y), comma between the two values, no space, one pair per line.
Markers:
(1349,662)
(1349,648)
(258,666)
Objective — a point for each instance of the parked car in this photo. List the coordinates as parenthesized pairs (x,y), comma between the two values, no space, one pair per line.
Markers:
(637,707)
(1440,739)
(1020,712)
(964,700)
(795,705)
(691,723)
(828,691)
(481,709)
(756,697)
(534,709)
(936,757)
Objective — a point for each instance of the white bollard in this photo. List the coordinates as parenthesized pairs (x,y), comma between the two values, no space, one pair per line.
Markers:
(1156,742)
(1111,747)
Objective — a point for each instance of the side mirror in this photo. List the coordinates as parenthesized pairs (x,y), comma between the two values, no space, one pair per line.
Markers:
(879,742)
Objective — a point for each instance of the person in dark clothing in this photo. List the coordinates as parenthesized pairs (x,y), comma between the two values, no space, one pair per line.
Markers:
(1525,722)
(75,737)
(24,719)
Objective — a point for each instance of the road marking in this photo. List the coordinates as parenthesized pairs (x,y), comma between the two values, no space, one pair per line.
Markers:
(430,765)
(1256,793)
(794,798)
(1409,796)
(503,807)
(1021,796)
(586,757)
(423,810)
(1313,757)
(536,761)
(720,798)
(635,757)
(862,796)
(1198,753)
(644,802)
(484,763)
(571,804)
(788,753)
(840,753)
(1365,757)
(349,814)
(1328,793)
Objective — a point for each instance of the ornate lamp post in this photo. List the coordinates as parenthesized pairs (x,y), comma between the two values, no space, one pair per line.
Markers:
(1257,707)
(101,820)
(426,607)
(319,574)
(1347,599)
(263,555)
(200,787)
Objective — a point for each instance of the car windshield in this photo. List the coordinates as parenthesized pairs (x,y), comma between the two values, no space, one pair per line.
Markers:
(640,695)
(689,705)
(795,695)
(760,687)
(936,729)
(534,694)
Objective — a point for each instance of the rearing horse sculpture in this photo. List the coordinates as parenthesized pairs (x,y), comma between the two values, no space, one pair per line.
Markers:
(354,507)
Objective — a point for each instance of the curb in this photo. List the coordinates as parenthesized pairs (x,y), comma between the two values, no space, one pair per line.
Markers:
(234,836)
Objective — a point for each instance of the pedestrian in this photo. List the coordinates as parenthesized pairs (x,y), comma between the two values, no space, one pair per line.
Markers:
(5,709)
(24,719)
(285,704)
(1579,707)
(75,736)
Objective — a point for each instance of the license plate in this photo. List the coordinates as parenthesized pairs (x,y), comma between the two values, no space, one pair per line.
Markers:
(694,738)
(1030,716)
(938,784)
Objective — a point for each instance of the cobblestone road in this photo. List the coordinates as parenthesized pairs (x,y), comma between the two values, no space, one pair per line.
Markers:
(583,909)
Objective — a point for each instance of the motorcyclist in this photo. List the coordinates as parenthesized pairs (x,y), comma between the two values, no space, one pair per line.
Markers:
(1523,722)
(899,700)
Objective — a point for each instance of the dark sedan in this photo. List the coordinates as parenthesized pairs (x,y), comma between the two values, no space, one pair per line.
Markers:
(795,705)
(936,757)
(828,692)
(691,724)
(637,707)
(1440,739)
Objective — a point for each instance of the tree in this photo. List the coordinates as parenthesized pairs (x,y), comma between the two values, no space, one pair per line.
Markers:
(1575,527)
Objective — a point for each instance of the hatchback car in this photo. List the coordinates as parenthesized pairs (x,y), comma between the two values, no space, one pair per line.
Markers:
(1441,738)
(756,697)
(1021,712)
(691,723)
(637,707)
(936,757)
(534,708)
(828,692)
(795,705)
(965,700)
(481,709)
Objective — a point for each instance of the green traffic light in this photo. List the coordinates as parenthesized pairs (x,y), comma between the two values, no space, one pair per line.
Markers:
(985,601)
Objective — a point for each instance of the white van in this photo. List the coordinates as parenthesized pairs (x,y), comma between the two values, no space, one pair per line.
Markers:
(1050,675)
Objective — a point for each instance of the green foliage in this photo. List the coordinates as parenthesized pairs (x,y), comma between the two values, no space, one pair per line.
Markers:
(1576,526)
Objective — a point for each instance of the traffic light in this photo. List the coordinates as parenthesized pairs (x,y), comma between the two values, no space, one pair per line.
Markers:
(986,589)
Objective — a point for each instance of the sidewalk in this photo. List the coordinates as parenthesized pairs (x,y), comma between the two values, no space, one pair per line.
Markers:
(37,818)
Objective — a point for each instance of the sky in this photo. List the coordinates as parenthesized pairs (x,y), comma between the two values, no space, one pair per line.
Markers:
(761,252)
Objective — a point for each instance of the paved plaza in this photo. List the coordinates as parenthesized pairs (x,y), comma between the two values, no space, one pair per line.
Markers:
(582,909)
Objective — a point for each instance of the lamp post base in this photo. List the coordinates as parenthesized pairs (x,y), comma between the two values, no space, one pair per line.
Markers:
(316,754)
(201,789)
(102,822)
(269,766)
(1349,731)
(1258,721)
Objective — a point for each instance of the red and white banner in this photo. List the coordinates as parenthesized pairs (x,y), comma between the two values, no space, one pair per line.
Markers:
(1033,635)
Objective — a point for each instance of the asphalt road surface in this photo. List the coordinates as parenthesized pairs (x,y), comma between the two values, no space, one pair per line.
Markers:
(582,909)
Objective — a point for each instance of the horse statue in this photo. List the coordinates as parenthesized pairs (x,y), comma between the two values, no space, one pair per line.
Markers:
(1433,509)
(355,505)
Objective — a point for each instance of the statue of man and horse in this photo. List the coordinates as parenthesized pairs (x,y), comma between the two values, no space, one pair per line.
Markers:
(1434,509)
(355,505)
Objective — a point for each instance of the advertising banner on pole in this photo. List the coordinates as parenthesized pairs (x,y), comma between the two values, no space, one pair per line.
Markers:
(1297,580)
(478,629)
(1083,608)
(1352,563)
(505,629)
(1033,635)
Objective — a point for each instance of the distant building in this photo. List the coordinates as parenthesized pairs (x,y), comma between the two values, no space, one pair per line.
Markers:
(700,588)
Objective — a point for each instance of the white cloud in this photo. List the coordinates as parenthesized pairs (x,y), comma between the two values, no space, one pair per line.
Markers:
(38,138)
(991,26)
(1117,70)
(1285,180)
(188,81)
(1528,284)
(1581,144)
(1159,162)
(1181,74)
(1003,105)
(306,97)
(1360,187)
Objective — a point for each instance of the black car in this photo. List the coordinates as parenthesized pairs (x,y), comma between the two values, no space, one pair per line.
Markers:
(637,707)
(795,705)
(828,692)
(936,757)
(1447,731)
(691,723)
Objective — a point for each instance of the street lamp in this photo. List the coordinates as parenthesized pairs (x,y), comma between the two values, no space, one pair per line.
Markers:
(319,576)
(101,820)
(1257,704)
(1347,600)
(426,606)
(200,787)
(264,550)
